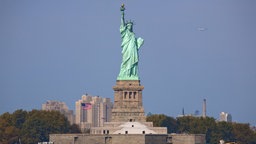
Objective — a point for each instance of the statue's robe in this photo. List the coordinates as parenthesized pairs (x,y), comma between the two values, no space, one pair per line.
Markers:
(130,45)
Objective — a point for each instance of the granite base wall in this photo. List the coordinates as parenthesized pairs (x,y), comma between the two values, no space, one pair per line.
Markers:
(96,139)
(127,139)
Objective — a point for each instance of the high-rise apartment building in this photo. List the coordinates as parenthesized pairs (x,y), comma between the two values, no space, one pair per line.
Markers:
(51,105)
(93,111)
(225,117)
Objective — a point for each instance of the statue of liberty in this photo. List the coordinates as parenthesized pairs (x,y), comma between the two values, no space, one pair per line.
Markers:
(130,46)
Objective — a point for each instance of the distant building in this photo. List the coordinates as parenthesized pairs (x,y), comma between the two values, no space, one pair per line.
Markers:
(225,117)
(93,111)
(195,114)
(51,105)
(204,109)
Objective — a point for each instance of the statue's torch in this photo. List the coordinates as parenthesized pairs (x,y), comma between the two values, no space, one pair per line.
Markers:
(122,8)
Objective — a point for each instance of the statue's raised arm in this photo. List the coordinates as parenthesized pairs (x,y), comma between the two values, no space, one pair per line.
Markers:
(130,46)
(122,8)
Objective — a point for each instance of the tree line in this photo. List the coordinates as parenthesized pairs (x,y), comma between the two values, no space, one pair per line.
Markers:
(30,127)
(34,126)
(215,131)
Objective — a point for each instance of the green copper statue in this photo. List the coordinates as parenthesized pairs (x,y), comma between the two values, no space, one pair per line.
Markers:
(130,45)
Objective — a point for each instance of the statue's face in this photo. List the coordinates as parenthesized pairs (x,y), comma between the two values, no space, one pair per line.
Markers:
(129,26)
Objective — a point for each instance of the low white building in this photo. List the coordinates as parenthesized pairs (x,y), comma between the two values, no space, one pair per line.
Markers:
(128,128)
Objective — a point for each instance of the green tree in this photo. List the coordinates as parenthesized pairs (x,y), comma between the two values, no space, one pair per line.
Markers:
(32,127)
(39,124)
(74,128)
(243,134)
(161,120)
(225,131)
(198,125)
(8,132)
(18,118)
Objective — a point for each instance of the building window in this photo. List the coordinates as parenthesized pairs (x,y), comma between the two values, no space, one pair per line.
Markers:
(143,132)
(126,132)
(134,95)
(130,95)
(125,94)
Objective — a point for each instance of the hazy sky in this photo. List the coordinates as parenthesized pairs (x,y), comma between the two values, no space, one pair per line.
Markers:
(194,49)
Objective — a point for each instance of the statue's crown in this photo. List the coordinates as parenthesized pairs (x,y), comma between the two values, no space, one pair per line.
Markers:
(129,22)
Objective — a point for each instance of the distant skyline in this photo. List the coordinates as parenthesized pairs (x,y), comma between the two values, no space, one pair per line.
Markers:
(193,50)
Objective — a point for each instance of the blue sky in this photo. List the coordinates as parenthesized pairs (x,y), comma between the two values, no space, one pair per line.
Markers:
(60,50)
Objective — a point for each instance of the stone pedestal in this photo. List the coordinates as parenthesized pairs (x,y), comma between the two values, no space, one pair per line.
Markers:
(128,102)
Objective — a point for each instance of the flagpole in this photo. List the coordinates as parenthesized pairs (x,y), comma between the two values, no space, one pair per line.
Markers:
(82,110)
(99,114)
